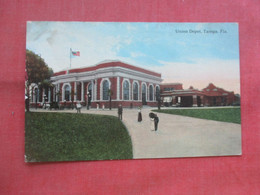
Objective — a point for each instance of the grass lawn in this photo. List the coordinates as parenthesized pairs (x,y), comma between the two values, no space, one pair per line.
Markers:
(71,137)
(218,114)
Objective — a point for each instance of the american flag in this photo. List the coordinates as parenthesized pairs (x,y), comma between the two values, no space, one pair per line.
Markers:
(75,53)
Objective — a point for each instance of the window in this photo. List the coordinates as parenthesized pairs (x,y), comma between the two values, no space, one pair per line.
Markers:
(151,93)
(157,92)
(67,93)
(105,90)
(135,91)
(143,93)
(168,89)
(126,90)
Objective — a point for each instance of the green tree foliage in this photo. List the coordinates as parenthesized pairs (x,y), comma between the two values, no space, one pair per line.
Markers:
(37,70)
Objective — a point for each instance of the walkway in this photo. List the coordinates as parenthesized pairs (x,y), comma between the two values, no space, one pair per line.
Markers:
(177,136)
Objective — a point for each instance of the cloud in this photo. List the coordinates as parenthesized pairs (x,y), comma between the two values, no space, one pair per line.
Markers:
(137,54)
(51,37)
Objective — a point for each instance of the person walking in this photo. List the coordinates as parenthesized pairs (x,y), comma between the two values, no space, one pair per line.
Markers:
(152,124)
(139,118)
(120,111)
(78,107)
(152,115)
(156,121)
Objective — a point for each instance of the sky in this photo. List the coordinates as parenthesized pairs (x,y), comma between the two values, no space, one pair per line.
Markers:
(194,54)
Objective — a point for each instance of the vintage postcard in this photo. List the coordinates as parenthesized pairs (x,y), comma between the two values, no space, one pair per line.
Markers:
(125,90)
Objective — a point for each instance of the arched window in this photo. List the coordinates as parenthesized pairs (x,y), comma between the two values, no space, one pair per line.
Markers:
(151,93)
(126,90)
(143,93)
(157,92)
(36,95)
(105,88)
(67,93)
(135,91)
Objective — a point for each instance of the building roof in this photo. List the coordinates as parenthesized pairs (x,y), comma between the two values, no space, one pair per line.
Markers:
(108,64)
(171,83)
(212,90)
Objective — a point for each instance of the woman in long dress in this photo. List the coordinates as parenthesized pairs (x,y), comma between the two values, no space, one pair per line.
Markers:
(152,124)
(152,115)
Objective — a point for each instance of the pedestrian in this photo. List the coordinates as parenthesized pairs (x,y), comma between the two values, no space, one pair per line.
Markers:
(78,107)
(120,111)
(156,121)
(139,118)
(152,115)
(152,124)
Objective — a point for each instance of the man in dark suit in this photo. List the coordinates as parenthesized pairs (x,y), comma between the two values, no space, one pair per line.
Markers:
(156,121)
(120,112)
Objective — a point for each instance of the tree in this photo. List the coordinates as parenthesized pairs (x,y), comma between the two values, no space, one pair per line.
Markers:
(37,71)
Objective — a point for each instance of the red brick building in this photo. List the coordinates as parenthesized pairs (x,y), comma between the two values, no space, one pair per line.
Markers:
(124,83)
(174,95)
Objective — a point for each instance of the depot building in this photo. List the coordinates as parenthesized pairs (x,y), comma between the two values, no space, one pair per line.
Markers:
(125,84)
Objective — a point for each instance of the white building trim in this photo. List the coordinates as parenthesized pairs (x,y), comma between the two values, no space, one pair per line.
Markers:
(82,91)
(118,88)
(95,91)
(106,73)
